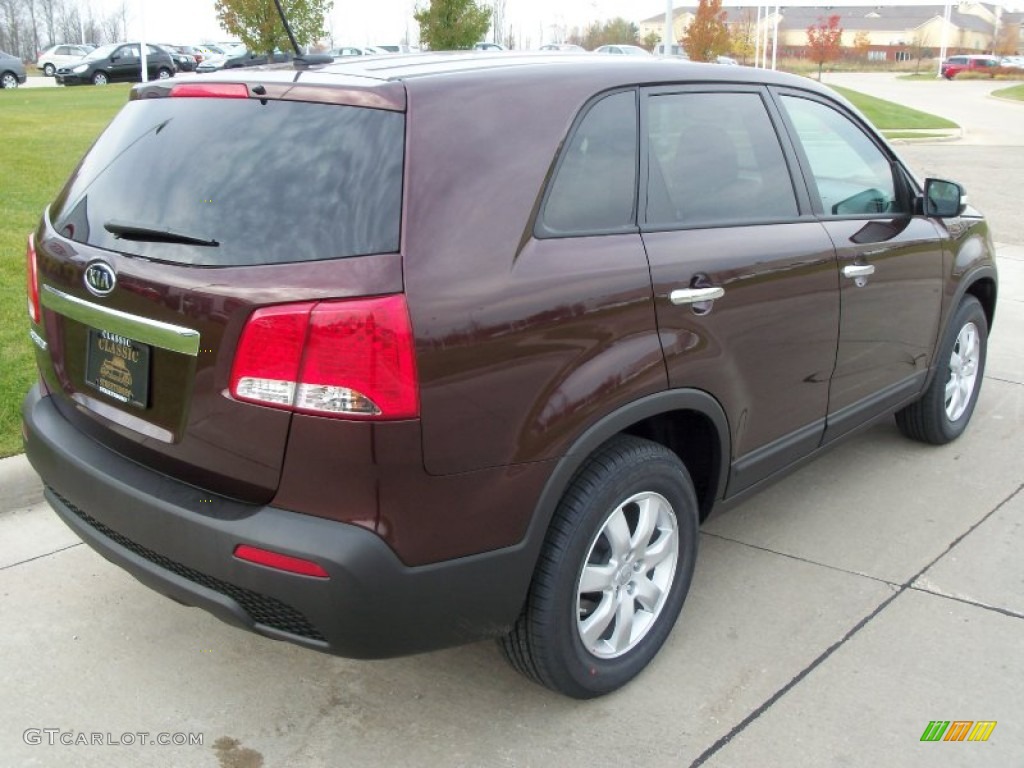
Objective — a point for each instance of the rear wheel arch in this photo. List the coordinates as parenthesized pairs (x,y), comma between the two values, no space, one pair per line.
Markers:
(690,423)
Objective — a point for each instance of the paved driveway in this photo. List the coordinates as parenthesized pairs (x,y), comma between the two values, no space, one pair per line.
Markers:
(831,619)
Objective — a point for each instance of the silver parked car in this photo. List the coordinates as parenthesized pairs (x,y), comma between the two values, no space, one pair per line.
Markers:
(12,71)
(57,56)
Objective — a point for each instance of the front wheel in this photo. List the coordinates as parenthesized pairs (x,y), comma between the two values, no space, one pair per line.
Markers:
(163,73)
(9,80)
(943,412)
(48,70)
(100,78)
(613,573)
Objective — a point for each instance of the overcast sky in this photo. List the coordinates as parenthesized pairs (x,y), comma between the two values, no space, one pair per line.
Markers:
(365,22)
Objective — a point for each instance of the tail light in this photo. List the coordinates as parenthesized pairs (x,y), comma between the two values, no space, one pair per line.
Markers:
(32,281)
(347,359)
(281,562)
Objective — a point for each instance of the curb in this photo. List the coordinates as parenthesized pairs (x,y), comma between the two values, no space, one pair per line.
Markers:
(20,486)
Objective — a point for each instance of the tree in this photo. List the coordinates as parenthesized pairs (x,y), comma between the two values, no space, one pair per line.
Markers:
(862,44)
(617,31)
(257,23)
(743,37)
(707,36)
(1006,39)
(452,25)
(824,40)
(919,50)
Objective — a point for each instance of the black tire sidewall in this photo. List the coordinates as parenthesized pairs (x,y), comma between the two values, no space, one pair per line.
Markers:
(590,675)
(969,311)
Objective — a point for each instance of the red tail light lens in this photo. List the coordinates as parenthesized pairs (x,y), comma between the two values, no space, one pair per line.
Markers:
(32,281)
(348,359)
(280,562)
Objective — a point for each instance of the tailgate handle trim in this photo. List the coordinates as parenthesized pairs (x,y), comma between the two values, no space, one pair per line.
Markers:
(175,338)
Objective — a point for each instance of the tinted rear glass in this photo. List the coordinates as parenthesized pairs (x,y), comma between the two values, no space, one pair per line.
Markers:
(267,182)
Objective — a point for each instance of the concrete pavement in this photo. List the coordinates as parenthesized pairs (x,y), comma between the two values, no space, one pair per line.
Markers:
(831,618)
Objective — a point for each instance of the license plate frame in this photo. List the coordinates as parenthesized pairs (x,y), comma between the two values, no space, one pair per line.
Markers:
(118,367)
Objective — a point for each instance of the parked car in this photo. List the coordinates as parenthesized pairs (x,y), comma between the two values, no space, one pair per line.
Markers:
(117,62)
(12,71)
(356,50)
(183,60)
(564,47)
(1016,62)
(397,48)
(483,46)
(628,50)
(727,60)
(954,65)
(674,50)
(57,56)
(239,59)
(372,398)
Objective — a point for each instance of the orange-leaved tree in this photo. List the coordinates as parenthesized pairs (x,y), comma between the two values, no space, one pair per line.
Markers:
(824,41)
(707,36)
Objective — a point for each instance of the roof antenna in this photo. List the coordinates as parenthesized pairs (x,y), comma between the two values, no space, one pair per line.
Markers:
(302,61)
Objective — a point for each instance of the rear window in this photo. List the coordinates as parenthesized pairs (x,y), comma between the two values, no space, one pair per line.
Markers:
(233,182)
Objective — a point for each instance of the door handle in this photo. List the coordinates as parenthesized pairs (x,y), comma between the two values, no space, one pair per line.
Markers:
(858,270)
(695,295)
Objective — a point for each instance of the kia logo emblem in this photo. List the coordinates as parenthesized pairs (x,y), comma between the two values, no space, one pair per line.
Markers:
(100,278)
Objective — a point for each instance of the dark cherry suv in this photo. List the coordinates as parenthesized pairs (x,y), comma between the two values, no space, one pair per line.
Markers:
(417,350)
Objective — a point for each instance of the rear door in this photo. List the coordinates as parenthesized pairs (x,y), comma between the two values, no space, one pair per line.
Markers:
(890,261)
(744,276)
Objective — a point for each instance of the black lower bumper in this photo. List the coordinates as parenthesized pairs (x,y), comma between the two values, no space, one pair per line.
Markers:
(180,540)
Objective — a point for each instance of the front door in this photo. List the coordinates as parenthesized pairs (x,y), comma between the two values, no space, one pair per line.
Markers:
(890,262)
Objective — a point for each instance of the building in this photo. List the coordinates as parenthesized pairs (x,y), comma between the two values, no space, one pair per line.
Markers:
(881,33)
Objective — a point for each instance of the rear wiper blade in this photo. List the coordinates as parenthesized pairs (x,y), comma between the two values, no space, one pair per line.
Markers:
(152,235)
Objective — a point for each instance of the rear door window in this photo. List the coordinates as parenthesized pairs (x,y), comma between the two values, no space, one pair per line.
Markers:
(715,159)
(234,182)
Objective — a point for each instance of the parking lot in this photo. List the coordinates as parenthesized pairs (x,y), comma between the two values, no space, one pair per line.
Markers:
(831,618)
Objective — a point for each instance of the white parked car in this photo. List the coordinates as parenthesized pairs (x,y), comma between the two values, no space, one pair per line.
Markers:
(57,56)
(628,50)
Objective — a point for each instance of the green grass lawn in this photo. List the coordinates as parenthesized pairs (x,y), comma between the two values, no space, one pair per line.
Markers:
(45,131)
(1013,92)
(889,116)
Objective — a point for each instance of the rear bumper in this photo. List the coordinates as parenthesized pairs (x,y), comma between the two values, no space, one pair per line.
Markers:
(179,540)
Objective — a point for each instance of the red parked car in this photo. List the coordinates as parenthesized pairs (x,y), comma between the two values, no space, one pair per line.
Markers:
(412,351)
(954,65)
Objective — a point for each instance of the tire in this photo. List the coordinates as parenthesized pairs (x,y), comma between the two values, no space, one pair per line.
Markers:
(631,502)
(49,70)
(9,80)
(163,73)
(100,78)
(943,412)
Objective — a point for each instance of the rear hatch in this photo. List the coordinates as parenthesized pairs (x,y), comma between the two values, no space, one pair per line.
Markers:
(186,216)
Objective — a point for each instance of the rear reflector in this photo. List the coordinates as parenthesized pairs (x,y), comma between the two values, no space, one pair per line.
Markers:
(347,359)
(32,281)
(279,561)
(211,90)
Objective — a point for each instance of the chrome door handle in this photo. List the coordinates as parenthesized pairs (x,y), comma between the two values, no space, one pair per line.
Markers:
(695,295)
(858,270)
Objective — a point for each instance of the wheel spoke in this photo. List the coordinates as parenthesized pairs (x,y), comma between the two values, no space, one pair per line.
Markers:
(596,623)
(647,594)
(597,578)
(664,547)
(623,632)
(646,521)
(616,530)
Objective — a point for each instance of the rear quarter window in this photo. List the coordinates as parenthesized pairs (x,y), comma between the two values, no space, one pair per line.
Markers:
(271,182)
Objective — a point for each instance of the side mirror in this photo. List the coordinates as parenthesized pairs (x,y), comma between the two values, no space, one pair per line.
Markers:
(943,199)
